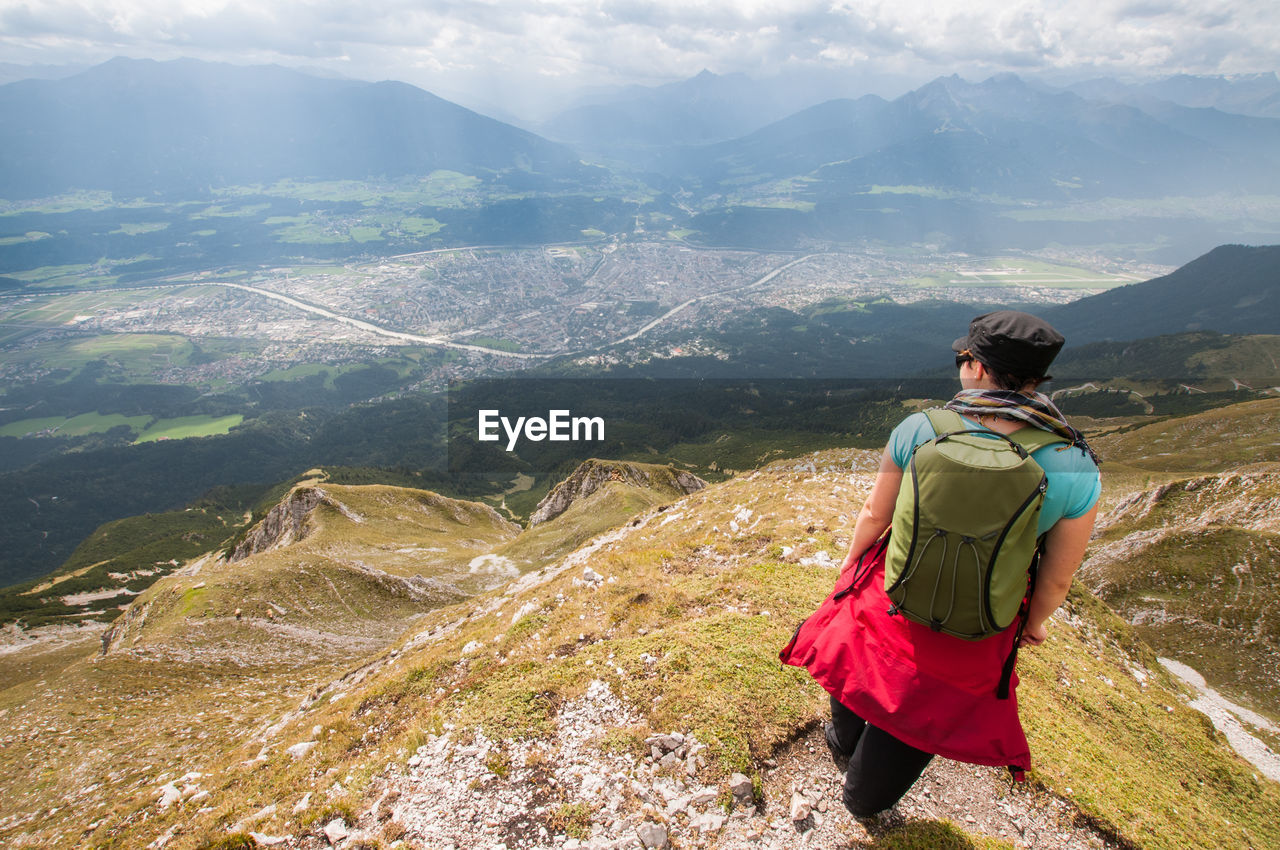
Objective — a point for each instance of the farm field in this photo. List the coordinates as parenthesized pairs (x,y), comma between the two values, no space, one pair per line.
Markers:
(146,428)
(75,426)
(189,426)
(133,355)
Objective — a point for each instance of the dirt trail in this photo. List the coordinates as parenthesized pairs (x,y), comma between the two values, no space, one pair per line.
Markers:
(448,797)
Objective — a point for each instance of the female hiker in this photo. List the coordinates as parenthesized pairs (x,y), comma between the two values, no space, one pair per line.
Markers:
(923,664)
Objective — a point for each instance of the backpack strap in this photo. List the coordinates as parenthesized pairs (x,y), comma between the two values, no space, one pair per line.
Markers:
(1030,438)
(945,421)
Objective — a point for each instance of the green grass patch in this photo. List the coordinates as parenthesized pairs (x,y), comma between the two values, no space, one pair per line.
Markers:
(130,354)
(921,191)
(189,426)
(419,227)
(127,358)
(70,202)
(439,189)
(1098,731)
(935,835)
(362,233)
(448,188)
(571,819)
(229,211)
(1223,208)
(302,370)
(75,426)
(138,228)
(782,204)
(306,229)
(142,549)
(1219,439)
(52,274)
(29,236)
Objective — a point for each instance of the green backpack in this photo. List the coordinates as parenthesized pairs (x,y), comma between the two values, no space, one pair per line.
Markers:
(965,527)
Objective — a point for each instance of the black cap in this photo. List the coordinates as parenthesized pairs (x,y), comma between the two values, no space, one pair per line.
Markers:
(1019,344)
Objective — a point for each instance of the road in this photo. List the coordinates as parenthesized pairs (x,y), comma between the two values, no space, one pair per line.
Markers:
(370,327)
(421,339)
(667,315)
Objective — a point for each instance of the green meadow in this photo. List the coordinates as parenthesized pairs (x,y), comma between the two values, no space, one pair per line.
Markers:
(146,428)
(89,200)
(125,358)
(138,228)
(1254,208)
(437,189)
(134,355)
(189,426)
(29,236)
(76,426)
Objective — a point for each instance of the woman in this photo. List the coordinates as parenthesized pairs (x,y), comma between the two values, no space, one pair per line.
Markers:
(901,692)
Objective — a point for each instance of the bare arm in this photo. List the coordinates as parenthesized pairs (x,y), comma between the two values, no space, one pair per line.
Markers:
(877,510)
(1063,550)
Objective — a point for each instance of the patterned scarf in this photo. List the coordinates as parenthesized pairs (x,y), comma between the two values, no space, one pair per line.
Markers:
(1035,410)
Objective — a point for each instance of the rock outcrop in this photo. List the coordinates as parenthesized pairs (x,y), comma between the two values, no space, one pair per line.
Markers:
(594,474)
(286,523)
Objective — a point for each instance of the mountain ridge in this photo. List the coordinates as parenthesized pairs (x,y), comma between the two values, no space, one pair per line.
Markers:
(1050,144)
(655,637)
(1231,289)
(191,125)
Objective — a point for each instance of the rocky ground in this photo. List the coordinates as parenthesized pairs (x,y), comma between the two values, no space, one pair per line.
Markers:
(14,640)
(579,792)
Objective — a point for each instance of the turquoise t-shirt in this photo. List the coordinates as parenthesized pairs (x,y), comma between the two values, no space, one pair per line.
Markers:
(1073,480)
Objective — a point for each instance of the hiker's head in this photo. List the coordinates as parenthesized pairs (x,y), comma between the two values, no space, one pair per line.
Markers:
(1011,350)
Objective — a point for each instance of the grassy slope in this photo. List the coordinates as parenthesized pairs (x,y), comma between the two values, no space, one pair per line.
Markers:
(332,583)
(1196,563)
(606,508)
(189,681)
(1219,440)
(700,598)
(128,554)
(1196,558)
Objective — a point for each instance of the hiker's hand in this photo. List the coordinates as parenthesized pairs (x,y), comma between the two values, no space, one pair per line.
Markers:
(1033,635)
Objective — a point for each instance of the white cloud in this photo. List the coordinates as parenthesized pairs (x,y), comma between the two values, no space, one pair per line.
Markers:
(611,41)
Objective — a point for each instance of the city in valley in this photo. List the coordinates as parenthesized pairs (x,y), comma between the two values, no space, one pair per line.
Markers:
(494,309)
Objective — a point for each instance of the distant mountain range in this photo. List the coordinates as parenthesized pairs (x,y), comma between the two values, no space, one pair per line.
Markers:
(1002,136)
(1231,289)
(11,72)
(1244,94)
(703,109)
(141,127)
(977,167)
(138,127)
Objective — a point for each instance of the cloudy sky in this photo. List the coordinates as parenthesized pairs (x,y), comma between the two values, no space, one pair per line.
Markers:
(509,47)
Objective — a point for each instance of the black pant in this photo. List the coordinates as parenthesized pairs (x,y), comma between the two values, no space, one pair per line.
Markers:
(881,768)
